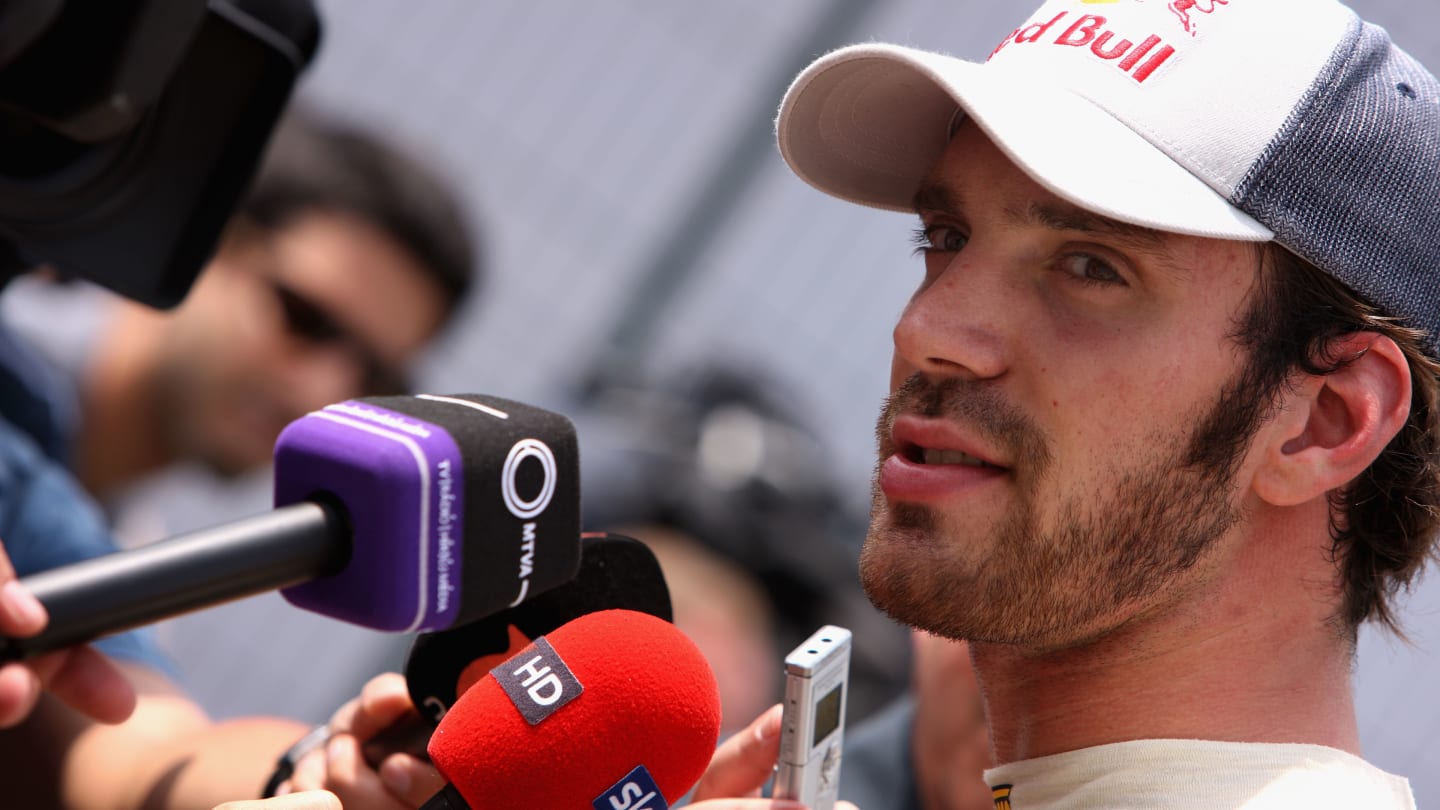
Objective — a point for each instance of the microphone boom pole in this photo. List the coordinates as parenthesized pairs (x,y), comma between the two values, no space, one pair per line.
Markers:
(138,586)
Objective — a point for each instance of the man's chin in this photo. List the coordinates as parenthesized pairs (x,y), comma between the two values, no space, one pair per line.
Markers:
(900,580)
(942,595)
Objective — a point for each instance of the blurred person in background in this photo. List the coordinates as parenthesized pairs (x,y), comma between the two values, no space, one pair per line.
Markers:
(719,454)
(84,731)
(928,749)
(722,607)
(347,258)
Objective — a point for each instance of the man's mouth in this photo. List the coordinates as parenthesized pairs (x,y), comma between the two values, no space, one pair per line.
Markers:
(927,455)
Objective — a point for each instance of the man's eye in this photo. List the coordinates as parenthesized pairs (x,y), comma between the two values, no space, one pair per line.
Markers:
(940,239)
(1090,269)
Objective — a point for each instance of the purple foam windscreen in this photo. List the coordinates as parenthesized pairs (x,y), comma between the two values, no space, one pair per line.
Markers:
(458,506)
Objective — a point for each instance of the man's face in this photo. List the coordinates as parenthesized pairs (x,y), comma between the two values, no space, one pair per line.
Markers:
(1056,456)
(326,309)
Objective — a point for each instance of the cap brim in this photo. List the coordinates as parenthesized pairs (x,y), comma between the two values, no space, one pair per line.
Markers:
(867,123)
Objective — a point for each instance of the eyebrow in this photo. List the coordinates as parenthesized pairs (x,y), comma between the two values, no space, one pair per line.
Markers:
(1062,217)
(1059,216)
(934,197)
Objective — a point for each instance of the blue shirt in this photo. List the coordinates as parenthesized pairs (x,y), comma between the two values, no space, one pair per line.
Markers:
(46,519)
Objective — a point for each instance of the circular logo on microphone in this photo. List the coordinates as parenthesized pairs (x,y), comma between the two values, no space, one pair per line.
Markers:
(517,504)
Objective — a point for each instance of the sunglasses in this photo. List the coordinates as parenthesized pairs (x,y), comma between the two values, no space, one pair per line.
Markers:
(308,321)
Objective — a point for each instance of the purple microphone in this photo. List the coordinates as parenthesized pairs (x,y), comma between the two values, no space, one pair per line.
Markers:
(395,513)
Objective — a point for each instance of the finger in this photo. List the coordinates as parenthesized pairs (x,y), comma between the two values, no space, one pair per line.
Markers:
(350,778)
(309,800)
(342,762)
(93,685)
(742,763)
(344,717)
(309,773)
(383,700)
(410,780)
(409,735)
(19,689)
(7,569)
(21,614)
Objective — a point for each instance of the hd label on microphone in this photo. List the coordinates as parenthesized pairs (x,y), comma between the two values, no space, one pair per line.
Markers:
(537,681)
(637,791)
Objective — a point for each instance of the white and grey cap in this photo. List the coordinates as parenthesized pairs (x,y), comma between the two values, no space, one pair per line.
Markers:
(1291,120)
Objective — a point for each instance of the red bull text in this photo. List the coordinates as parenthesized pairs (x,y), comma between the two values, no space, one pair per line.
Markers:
(1139,58)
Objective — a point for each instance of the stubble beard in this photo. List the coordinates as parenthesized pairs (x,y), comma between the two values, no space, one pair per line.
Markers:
(1106,553)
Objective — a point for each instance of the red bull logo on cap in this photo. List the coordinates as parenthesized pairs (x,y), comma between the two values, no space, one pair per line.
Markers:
(1125,37)
(1139,57)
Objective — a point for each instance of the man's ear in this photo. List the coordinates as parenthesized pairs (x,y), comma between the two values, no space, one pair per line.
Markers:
(1335,425)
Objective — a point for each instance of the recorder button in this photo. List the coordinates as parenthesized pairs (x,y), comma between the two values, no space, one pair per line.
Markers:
(830,766)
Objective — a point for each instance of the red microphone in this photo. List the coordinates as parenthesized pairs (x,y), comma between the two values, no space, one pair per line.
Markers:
(615,710)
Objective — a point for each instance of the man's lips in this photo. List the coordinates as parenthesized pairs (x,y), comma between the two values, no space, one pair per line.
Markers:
(937,441)
(930,459)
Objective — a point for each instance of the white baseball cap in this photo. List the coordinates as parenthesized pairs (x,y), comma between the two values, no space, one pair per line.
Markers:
(1291,120)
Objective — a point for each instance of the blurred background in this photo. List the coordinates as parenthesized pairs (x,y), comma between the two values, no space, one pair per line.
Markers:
(640,237)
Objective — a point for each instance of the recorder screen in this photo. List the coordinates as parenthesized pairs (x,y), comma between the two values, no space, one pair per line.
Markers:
(827,713)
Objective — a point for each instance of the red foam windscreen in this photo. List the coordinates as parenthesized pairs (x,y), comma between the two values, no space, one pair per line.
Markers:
(645,697)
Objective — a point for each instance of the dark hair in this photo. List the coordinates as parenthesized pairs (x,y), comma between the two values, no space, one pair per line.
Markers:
(1383,524)
(315,164)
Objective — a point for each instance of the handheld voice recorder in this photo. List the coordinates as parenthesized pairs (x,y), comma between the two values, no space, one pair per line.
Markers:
(813,726)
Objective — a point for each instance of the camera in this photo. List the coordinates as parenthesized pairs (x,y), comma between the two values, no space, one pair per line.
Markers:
(130,129)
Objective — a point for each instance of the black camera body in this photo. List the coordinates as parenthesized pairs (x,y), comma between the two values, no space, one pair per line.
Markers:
(130,129)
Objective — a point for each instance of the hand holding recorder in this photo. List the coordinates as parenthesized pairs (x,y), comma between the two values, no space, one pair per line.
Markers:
(813,732)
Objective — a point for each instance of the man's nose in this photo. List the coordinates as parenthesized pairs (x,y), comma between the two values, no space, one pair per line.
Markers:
(957,325)
(323,375)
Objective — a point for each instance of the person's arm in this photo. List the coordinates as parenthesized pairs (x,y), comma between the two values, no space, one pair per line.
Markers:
(80,677)
(166,756)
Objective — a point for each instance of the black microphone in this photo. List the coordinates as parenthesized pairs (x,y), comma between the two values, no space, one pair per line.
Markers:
(616,572)
(395,513)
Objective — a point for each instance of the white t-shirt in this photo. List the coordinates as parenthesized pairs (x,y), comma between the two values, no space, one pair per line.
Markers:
(1196,774)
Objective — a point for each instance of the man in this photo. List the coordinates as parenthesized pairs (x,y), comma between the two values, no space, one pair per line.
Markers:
(344,261)
(1162,431)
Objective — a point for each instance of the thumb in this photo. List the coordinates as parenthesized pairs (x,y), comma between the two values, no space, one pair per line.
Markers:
(410,779)
(742,764)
